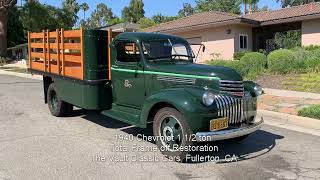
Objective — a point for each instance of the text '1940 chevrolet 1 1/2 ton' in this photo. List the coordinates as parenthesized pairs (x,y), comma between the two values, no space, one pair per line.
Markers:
(139,78)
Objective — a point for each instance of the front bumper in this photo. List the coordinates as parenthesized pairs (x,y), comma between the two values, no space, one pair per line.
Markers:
(229,133)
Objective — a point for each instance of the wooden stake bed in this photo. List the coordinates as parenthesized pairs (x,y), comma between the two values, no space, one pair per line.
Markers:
(62,53)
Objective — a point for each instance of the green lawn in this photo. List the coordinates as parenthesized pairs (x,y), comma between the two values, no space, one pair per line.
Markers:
(311,112)
(309,82)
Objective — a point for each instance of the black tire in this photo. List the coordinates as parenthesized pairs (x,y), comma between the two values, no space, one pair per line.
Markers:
(56,106)
(69,110)
(181,126)
(239,139)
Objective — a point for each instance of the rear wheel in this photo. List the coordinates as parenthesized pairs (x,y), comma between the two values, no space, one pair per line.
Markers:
(172,132)
(56,106)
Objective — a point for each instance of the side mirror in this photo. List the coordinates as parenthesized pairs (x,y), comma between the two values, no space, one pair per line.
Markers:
(203,48)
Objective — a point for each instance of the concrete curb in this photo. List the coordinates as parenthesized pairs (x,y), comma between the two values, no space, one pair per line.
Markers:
(29,76)
(297,123)
(294,94)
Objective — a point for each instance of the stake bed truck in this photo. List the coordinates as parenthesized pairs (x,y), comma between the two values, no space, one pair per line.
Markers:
(144,77)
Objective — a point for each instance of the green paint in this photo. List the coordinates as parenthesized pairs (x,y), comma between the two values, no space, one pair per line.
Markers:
(165,74)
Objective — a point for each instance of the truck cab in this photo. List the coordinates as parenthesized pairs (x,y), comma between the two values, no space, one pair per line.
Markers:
(154,78)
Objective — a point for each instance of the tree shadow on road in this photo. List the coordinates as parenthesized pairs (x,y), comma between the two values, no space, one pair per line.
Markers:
(257,144)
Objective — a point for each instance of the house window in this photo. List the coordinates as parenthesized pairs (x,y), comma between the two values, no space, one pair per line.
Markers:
(243,41)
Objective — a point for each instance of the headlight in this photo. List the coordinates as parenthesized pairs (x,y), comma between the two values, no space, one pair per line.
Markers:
(258,90)
(208,98)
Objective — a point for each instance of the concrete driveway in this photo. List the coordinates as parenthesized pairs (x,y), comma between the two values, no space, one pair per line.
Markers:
(36,145)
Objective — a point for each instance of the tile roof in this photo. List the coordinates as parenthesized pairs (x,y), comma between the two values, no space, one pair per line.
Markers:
(295,11)
(194,20)
(215,17)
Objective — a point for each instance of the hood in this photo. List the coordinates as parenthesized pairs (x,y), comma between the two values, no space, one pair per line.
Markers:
(199,70)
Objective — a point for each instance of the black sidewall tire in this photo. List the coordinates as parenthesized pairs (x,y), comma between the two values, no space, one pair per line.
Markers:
(186,132)
(61,107)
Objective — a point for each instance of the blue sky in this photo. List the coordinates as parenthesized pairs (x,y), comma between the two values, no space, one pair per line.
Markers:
(152,7)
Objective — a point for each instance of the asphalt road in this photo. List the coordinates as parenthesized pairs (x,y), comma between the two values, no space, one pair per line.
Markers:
(36,145)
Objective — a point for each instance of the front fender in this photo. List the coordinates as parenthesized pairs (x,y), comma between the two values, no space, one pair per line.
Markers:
(181,99)
(249,86)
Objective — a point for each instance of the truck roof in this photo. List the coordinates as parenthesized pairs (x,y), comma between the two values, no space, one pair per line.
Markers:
(143,36)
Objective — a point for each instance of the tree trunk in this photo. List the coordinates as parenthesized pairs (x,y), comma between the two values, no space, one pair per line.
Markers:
(245,8)
(3,32)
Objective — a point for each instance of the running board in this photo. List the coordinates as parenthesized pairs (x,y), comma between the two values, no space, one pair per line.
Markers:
(125,114)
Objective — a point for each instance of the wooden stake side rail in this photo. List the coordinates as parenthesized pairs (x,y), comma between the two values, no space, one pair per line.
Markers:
(59,52)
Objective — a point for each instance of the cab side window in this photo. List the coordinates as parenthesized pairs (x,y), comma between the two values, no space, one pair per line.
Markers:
(127,52)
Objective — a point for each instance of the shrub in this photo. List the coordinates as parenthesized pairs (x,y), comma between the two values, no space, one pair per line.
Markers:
(300,57)
(311,112)
(252,64)
(227,63)
(312,62)
(249,66)
(311,47)
(289,39)
(240,54)
(281,61)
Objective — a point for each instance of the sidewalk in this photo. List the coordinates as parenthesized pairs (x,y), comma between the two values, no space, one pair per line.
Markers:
(289,102)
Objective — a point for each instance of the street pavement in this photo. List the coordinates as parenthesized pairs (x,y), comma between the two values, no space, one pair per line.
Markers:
(36,145)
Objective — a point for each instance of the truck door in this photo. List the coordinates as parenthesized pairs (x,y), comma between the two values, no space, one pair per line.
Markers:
(127,75)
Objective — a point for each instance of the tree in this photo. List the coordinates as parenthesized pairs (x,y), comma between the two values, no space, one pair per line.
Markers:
(245,3)
(187,10)
(85,8)
(253,4)
(117,20)
(159,18)
(71,9)
(286,3)
(134,12)
(33,13)
(231,6)
(15,35)
(101,16)
(4,6)
(146,22)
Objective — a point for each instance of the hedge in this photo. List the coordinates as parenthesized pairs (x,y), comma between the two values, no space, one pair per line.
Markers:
(249,66)
(253,64)
(281,61)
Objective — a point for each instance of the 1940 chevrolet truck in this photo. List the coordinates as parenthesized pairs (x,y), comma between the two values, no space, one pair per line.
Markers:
(144,77)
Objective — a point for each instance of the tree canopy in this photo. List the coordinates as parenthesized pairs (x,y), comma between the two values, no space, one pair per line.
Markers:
(134,12)
(231,6)
(101,16)
(286,3)
(187,10)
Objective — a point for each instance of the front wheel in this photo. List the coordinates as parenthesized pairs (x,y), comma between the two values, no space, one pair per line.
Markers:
(173,133)
(56,106)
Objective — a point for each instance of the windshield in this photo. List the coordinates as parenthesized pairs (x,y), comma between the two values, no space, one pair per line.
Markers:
(168,49)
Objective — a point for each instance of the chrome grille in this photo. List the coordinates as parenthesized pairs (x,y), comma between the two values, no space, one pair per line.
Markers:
(235,109)
(232,87)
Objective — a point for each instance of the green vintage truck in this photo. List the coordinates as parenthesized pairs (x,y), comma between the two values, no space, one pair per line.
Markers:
(139,78)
